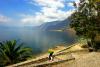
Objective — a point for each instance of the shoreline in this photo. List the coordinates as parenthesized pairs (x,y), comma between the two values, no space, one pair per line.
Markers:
(71,56)
(57,51)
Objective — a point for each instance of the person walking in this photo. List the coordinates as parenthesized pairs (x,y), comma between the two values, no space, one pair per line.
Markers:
(51,54)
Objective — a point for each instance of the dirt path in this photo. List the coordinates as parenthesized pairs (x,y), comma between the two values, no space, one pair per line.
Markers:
(82,60)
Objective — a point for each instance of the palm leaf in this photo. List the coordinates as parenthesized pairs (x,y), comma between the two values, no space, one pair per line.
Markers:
(11,53)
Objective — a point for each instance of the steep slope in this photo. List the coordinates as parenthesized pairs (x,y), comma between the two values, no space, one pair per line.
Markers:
(55,25)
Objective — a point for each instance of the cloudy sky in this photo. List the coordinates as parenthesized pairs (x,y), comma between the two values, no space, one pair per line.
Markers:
(34,12)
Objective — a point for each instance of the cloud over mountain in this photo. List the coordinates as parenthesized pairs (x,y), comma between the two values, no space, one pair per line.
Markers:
(51,10)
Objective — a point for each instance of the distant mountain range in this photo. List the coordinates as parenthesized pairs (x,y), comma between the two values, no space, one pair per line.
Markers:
(55,25)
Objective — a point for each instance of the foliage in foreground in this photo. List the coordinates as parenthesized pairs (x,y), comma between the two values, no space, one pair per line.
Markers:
(11,52)
(86,21)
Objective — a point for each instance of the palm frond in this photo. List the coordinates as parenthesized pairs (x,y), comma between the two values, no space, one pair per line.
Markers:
(11,53)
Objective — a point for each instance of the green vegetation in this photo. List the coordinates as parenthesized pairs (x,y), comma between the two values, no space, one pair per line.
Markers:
(11,52)
(86,21)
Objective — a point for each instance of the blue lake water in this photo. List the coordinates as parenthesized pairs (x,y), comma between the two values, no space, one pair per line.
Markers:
(39,41)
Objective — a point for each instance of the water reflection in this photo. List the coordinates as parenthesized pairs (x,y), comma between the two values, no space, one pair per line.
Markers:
(39,41)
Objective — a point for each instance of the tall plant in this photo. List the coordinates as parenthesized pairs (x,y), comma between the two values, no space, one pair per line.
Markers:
(11,52)
(86,20)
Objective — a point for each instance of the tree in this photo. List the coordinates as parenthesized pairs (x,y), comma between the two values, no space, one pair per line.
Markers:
(11,52)
(85,20)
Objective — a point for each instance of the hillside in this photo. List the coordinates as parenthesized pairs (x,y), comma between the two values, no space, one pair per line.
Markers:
(55,25)
(72,56)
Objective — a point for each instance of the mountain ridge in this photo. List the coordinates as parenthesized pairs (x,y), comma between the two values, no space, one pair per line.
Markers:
(55,25)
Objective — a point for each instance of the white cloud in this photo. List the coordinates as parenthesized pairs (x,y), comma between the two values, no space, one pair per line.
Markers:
(9,21)
(50,3)
(40,18)
(77,1)
(51,10)
(4,18)
(70,4)
(32,20)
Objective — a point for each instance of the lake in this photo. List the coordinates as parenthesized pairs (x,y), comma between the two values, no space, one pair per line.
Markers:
(39,41)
